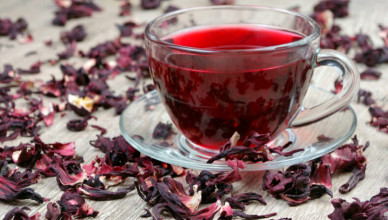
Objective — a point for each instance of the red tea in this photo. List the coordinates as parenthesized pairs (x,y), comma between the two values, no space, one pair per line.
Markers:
(209,95)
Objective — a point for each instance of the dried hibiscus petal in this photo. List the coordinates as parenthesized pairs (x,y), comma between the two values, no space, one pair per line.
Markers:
(371,57)
(126,28)
(17,214)
(208,212)
(357,176)
(370,74)
(150,4)
(375,208)
(101,194)
(8,74)
(68,52)
(192,202)
(248,216)
(34,69)
(68,176)
(338,7)
(365,97)
(73,203)
(379,118)
(125,8)
(53,211)
(384,34)
(222,2)
(117,150)
(10,191)
(78,124)
(73,9)
(346,157)
(293,185)
(83,106)
(101,129)
(240,201)
(78,34)
(226,212)
(64,149)
(12,29)
(162,131)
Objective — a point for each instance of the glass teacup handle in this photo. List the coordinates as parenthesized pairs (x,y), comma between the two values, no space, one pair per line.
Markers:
(351,84)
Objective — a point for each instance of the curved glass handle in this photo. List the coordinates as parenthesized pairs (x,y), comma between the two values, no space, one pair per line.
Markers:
(351,84)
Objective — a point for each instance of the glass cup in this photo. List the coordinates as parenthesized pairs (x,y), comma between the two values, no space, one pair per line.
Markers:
(212,89)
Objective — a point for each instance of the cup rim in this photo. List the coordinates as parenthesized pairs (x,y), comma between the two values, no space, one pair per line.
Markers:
(304,41)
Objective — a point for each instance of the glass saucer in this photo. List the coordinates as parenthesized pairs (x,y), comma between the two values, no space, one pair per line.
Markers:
(139,119)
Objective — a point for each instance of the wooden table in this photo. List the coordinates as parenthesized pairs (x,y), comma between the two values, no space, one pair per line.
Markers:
(364,15)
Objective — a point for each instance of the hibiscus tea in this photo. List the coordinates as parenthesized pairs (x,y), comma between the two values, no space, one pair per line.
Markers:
(228,85)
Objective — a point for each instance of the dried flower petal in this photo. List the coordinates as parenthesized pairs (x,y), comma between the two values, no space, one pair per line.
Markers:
(34,69)
(82,105)
(77,34)
(67,176)
(365,97)
(373,209)
(370,74)
(53,211)
(125,8)
(9,191)
(68,52)
(13,29)
(150,4)
(222,2)
(338,7)
(191,202)
(357,176)
(162,131)
(126,28)
(73,203)
(346,157)
(240,201)
(384,34)
(247,216)
(226,212)
(73,9)
(102,195)
(17,214)
(293,185)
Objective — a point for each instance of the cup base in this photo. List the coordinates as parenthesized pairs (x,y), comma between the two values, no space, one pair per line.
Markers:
(188,147)
(139,119)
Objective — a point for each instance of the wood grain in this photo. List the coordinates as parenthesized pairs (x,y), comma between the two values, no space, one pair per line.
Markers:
(101,27)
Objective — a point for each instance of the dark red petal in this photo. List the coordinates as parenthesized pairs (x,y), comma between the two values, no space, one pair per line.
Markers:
(78,34)
(150,4)
(241,200)
(53,211)
(34,69)
(247,216)
(64,178)
(370,74)
(101,129)
(222,2)
(68,52)
(9,191)
(357,176)
(321,175)
(125,8)
(226,212)
(17,214)
(208,212)
(162,131)
(373,209)
(102,195)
